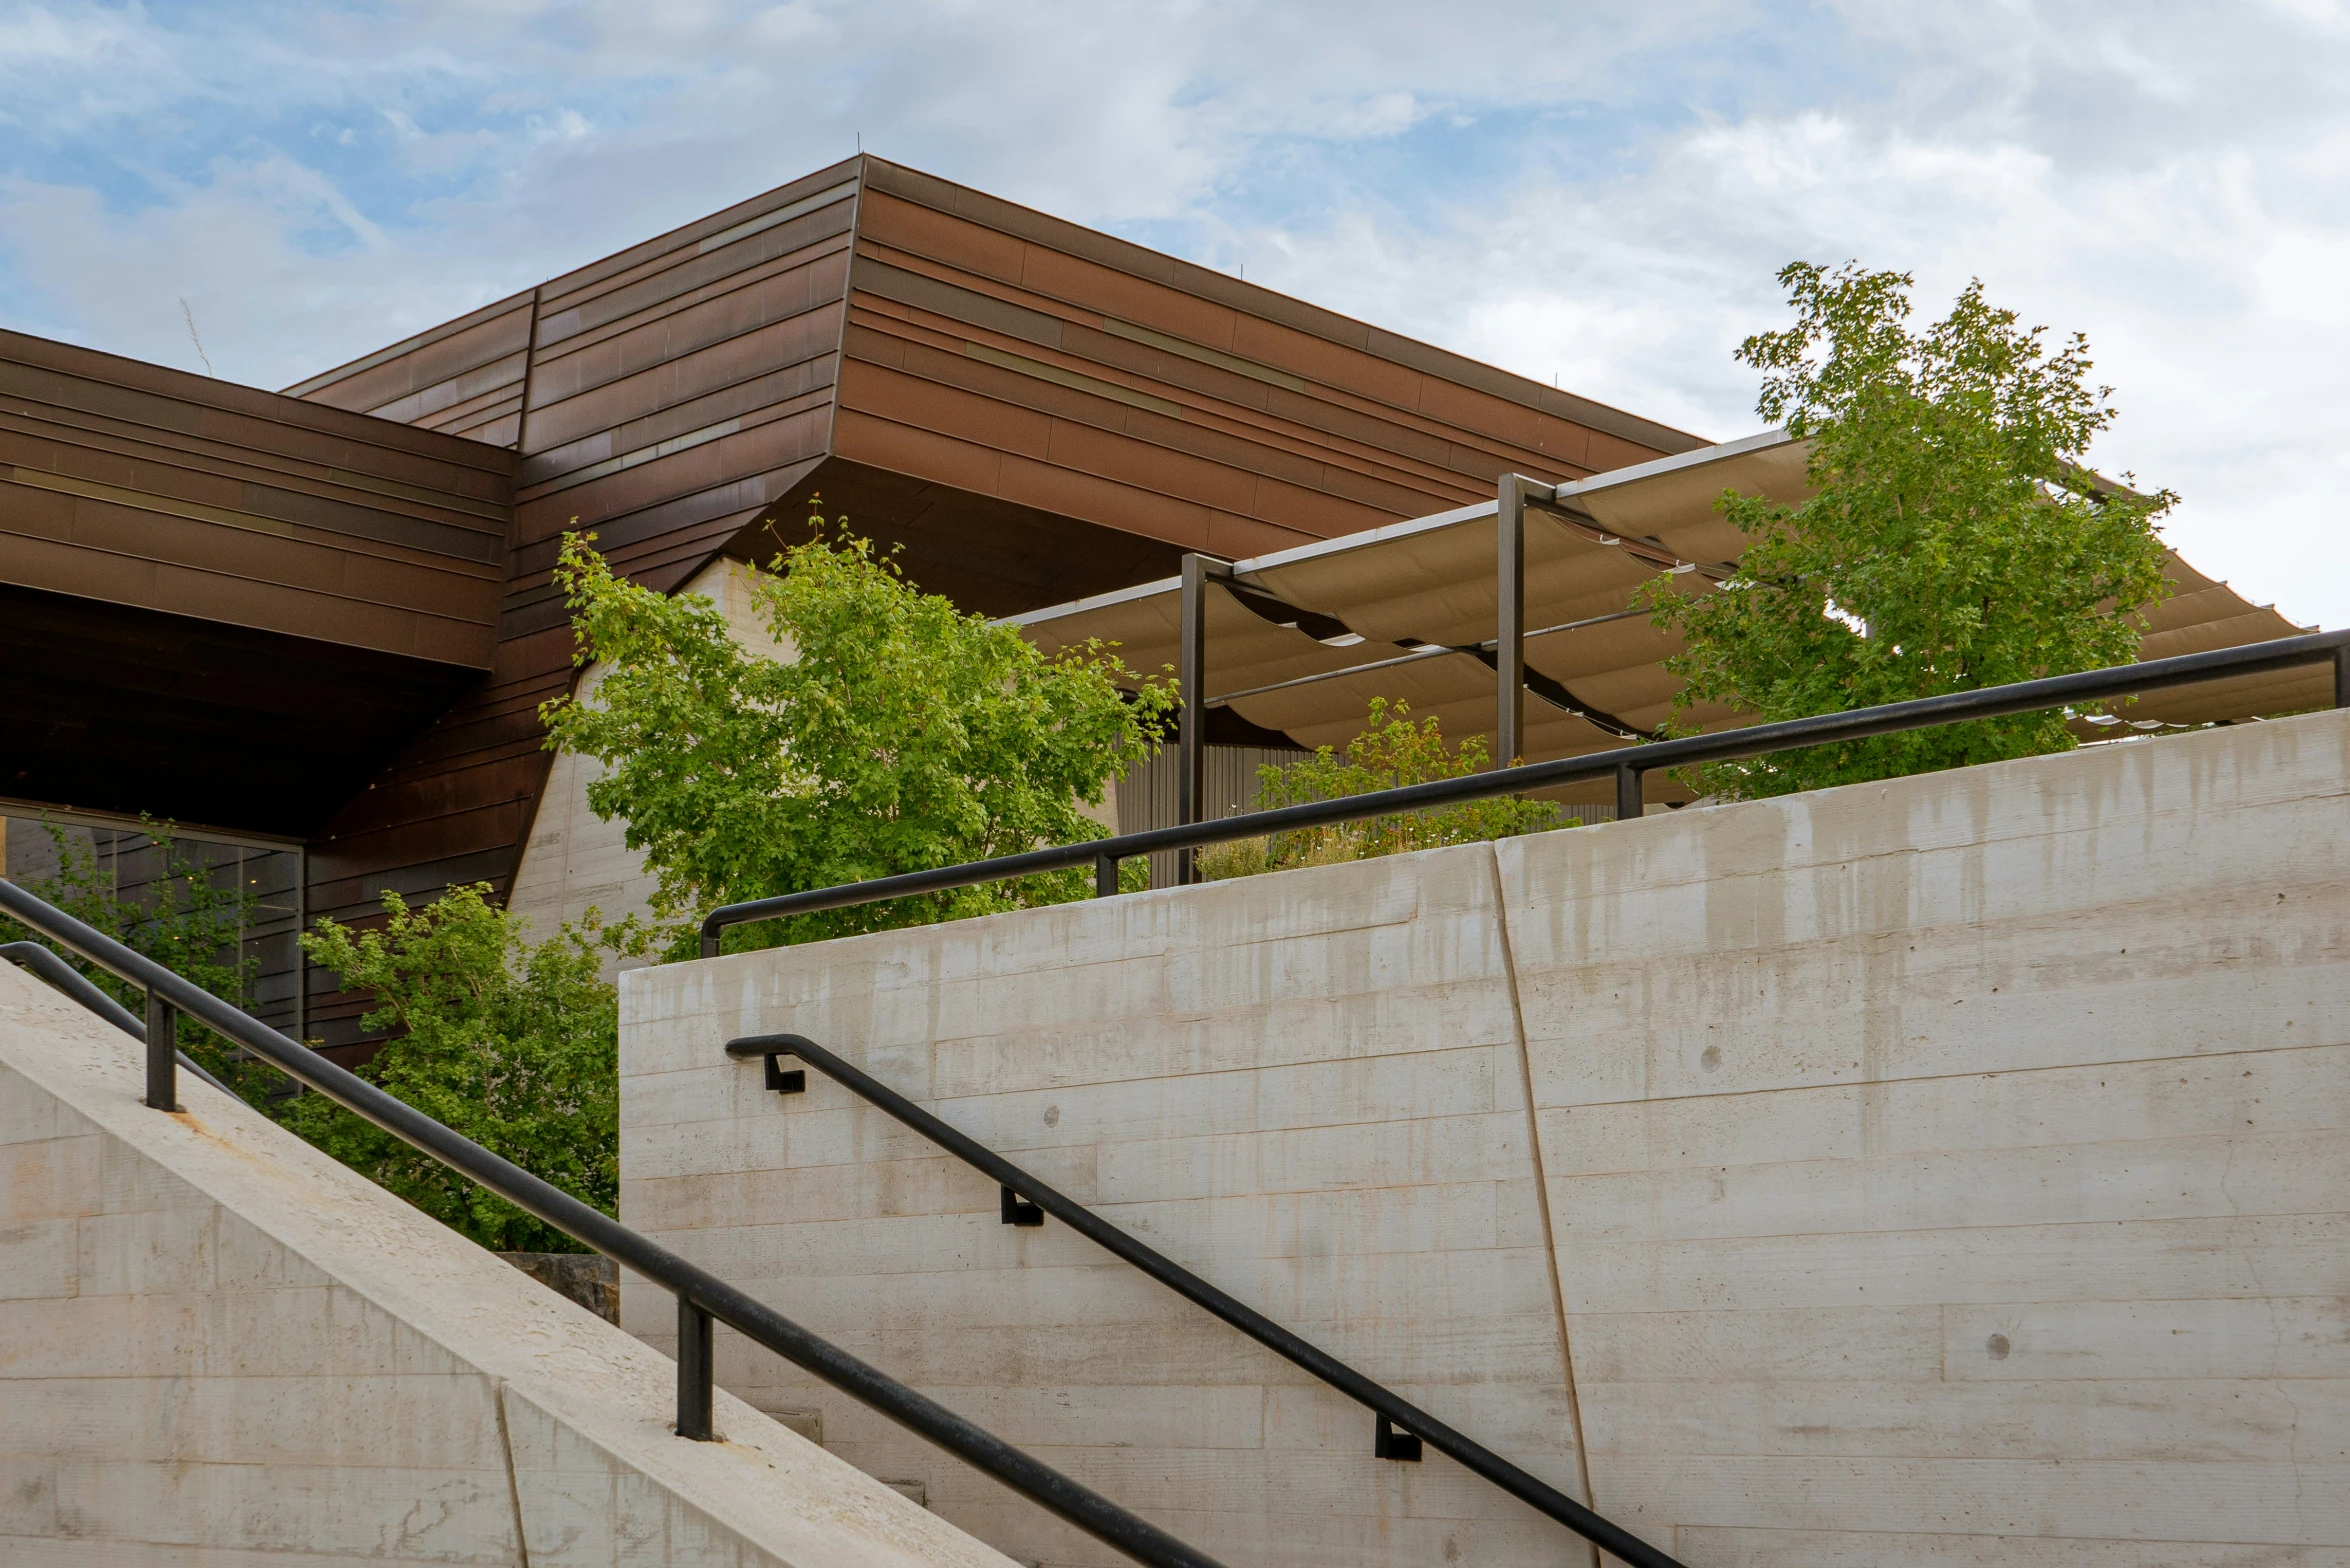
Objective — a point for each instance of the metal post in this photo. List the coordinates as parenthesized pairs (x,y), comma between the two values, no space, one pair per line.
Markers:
(1105,876)
(1509,649)
(1191,671)
(1628,803)
(696,1376)
(162,1053)
(2342,676)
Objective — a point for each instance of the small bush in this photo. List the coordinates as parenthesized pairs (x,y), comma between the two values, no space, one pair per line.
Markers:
(1391,752)
(514,1044)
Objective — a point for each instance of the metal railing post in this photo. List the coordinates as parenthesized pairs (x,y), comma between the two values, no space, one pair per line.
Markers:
(1191,677)
(1509,583)
(1105,876)
(1629,805)
(697,1377)
(162,1053)
(2342,676)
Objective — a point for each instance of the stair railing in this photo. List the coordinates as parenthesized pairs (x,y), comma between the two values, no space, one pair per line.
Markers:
(1399,1427)
(77,986)
(702,1298)
(1626,765)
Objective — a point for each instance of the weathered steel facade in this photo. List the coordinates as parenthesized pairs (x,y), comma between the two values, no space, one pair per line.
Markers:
(1030,409)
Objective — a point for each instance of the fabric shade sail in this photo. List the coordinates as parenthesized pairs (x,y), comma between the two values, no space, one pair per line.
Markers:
(1302,640)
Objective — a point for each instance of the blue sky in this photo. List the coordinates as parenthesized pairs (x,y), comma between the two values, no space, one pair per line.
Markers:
(1598,194)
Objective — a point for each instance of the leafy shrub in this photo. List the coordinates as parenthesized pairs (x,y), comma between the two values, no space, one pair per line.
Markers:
(514,1044)
(1953,539)
(904,735)
(1391,752)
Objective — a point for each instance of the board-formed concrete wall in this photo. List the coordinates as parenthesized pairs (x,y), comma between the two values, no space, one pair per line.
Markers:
(1948,1171)
(218,1347)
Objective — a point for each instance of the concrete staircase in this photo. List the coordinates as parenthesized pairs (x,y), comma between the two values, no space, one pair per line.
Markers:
(217,1345)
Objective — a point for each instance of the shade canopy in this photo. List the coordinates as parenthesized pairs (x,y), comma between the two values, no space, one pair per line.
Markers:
(1301,640)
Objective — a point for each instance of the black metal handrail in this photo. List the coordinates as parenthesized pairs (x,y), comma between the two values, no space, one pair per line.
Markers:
(702,1298)
(1388,1407)
(78,988)
(1625,765)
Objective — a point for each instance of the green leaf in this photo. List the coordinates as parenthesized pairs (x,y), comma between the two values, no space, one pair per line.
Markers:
(1954,539)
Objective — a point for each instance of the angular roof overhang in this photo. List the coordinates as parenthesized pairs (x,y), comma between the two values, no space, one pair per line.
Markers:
(1302,639)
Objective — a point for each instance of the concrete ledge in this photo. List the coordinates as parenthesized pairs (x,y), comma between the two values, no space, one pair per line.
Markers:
(218,1345)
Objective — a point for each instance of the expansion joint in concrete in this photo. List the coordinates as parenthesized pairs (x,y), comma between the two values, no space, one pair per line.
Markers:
(1550,1246)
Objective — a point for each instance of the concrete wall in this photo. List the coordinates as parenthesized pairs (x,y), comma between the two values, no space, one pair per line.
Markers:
(220,1348)
(1948,1171)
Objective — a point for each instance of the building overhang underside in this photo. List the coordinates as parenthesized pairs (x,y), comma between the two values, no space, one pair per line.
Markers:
(1301,640)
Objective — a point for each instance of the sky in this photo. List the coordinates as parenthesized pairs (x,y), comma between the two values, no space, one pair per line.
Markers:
(1596,194)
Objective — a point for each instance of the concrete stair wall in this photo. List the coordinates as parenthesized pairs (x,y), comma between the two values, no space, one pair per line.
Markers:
(1947,1171)
(221,1349)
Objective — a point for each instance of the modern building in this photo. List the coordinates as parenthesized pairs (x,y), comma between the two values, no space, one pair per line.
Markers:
(319,624)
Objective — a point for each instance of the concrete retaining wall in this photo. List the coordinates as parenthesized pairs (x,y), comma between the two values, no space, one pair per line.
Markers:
(218,1347)
(1949,1171)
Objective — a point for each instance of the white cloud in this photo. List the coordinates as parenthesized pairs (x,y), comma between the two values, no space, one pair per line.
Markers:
(1596,193)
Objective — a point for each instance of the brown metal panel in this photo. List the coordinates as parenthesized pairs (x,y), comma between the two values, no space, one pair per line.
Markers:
(1494,420)
(1243,392)
(1139,300)
(956,303)
(796,389)
(505,430)
(450,403)
(583,279)
(695,273)
(1330,364)
(928,405)
(901,449)
(759,348)
(1073,494)
(987,555)
(43,371)
(696,469)
(1247,300)
(328,387)
(639,343)
(1156,468)
(791,285)
(466,384)
(36,435)
(1235,436)
(334,591)
(240,601)
(889,220)
(155,536)
(1315,513)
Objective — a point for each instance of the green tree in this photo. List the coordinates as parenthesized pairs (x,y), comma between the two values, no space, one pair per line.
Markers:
(189,922)
(1953,539)
(903,736)
(1391,752)
(514,1044)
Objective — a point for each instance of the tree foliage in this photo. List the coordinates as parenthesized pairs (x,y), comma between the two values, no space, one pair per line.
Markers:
(1392,751)
(514,1044)
(1953,540)
(903,736)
